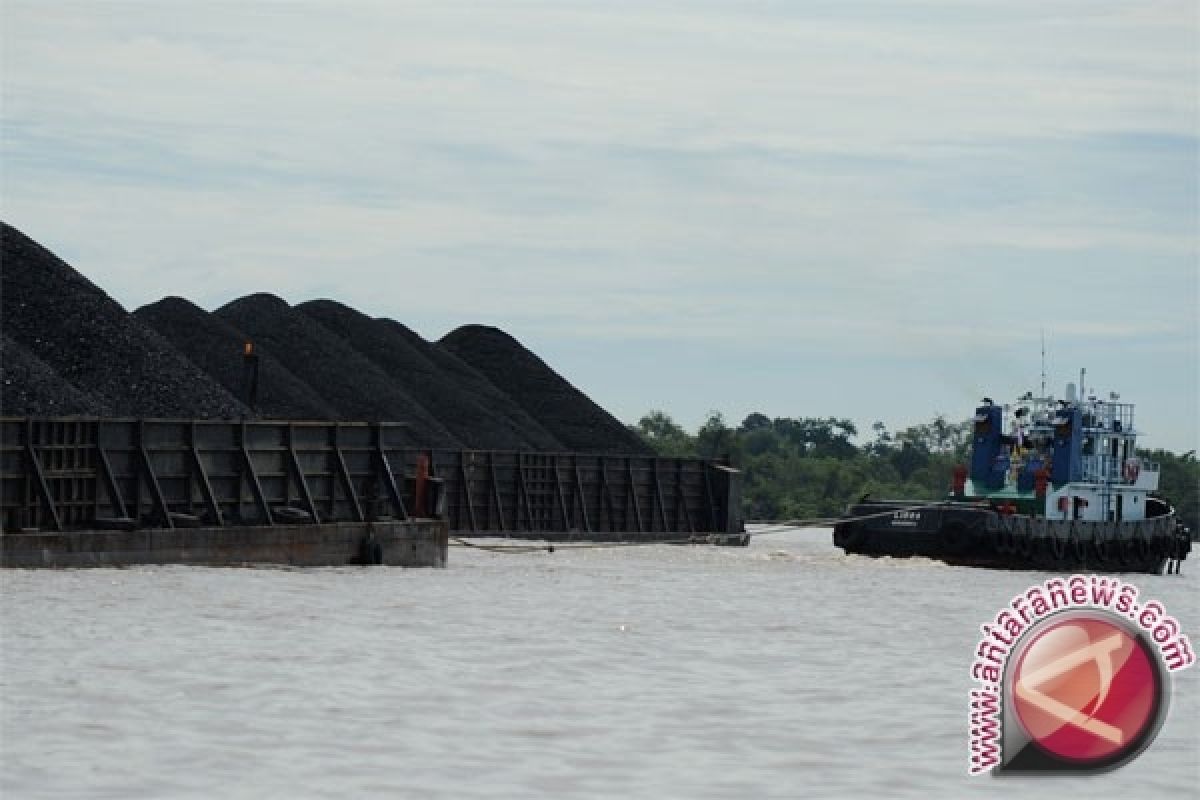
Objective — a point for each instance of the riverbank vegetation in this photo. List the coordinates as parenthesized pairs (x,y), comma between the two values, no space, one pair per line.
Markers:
(813,467)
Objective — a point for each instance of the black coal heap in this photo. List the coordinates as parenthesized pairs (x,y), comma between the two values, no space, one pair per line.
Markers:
(95,345)
(565,411)
(216,347)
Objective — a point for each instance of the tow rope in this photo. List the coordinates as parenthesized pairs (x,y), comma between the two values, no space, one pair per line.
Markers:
(770,527)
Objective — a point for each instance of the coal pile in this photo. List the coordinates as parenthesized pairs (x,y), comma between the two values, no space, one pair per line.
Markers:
(562,409)
(471,381)
(217,347)
(93,344)
(349,382)
(69,349)
(465,413)
(28,387)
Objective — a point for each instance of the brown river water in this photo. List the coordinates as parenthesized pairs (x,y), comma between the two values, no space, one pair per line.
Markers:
(784,669)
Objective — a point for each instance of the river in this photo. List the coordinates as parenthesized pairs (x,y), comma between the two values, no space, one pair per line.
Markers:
(784,669)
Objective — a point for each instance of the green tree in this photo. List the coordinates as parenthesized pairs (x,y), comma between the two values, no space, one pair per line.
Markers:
(1179,482)
(715,439)
(807,467)
(667,438)
(755,422)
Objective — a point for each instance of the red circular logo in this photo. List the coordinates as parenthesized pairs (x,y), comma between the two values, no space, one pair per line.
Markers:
(1085,690)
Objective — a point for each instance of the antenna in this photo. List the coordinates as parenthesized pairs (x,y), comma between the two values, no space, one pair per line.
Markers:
(1043,362)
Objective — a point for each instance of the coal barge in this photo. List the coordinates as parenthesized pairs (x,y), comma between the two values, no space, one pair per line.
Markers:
(1063,489)
(84,492)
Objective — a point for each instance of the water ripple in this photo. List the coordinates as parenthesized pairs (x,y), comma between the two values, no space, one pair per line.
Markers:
(777,670)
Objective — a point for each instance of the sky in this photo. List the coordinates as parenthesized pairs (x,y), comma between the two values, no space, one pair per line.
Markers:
(865,209)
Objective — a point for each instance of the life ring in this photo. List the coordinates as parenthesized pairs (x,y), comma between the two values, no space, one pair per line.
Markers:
(1132,467)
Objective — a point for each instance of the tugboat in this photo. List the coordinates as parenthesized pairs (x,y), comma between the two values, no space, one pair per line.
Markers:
(1064,489)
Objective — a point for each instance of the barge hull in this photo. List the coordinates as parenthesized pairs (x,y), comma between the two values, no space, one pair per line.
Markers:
(401,543)
(81,474)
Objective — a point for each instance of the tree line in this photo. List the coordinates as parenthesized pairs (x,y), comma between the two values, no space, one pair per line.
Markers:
(815,466)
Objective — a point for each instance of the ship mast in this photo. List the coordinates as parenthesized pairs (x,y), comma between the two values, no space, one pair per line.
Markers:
(1043,394)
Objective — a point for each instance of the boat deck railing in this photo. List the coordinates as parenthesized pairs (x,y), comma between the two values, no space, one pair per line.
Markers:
(1110,469)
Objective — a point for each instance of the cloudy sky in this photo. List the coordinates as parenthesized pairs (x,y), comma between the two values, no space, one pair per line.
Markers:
(857,208)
